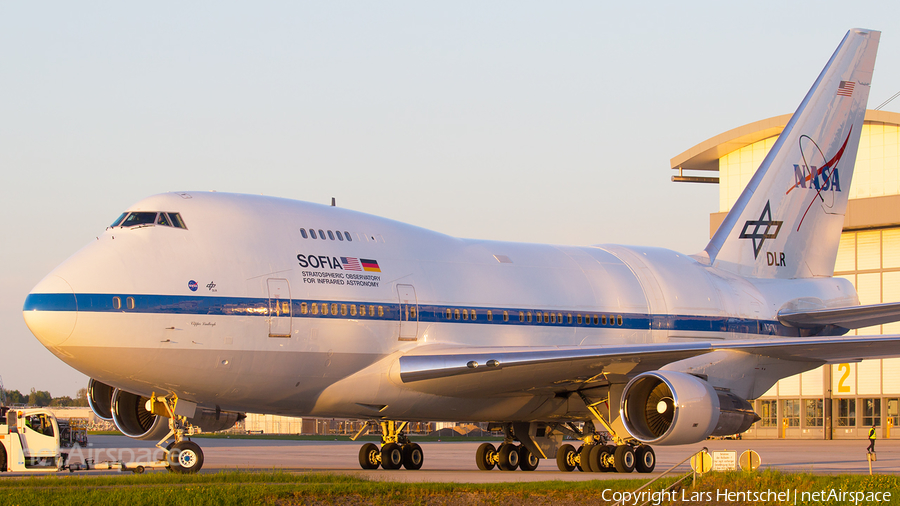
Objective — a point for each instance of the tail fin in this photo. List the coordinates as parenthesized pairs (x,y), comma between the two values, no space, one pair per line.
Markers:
(787,223)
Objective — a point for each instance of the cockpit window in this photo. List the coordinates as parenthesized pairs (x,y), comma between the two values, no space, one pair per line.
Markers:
(135,219)
(163,220)
(177,222)
(119,219)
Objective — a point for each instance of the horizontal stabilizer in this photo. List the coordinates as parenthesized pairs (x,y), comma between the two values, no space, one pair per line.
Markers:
(854,317)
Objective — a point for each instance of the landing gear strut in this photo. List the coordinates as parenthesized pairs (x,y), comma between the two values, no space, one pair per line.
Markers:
(396,449)
(508,457)
(183,455)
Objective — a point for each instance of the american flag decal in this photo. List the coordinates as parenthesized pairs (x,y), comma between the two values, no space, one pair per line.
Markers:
(351,264)
(845,89)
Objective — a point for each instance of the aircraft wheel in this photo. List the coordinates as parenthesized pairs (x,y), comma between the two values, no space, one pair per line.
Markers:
(599,459)
(645,459)
(624,459)
(413,457)
(391,456)
(509,457)
(369,456)
(527,460)
(585,458)
(565,458)
(485,456)
(185,457)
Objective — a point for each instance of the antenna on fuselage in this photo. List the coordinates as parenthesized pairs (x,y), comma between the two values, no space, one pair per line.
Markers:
(333,204)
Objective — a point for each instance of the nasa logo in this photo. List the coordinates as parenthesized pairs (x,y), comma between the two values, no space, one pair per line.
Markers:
(193,285)
(819,179)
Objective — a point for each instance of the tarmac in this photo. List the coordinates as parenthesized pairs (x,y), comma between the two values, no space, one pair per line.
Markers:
(455,461)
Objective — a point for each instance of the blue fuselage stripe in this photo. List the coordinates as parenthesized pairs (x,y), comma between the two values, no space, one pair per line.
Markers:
(248,306)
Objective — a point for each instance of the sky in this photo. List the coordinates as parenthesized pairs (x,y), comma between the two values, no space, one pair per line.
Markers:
(544,122)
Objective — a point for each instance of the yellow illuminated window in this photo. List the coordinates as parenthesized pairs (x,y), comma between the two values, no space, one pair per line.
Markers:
(380,311)
(552,318)
(129,302)
(596,320)
(506,316)
(314,308)
(352,309)
(569,319)
(546,317)
(412,313)
(456,314)
(465,314)
(303,308)
(472,315)
(579,319)
(528,317)
(538,316)
(490,315)
(343,309)
(619,320)
(449,313)
(117,303)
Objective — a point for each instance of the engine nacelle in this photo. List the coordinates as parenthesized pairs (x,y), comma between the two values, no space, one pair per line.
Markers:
(672,408)
(99,396)
(131,417)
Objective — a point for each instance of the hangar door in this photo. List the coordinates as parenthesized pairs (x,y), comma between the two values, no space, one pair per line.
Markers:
(279,307)
(409,312)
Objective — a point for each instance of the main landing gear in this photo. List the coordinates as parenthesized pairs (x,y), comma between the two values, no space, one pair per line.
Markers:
(509,456)
(396,449)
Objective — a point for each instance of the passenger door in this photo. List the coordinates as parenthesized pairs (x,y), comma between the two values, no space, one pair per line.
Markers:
(279,308)
(409,312)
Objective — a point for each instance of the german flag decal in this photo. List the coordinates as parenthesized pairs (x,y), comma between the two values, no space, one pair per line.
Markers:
(369,265)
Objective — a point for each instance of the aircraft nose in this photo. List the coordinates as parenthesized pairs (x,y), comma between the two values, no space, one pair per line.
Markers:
(51,311)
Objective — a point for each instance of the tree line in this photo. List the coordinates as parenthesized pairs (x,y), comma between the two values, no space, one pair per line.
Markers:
(41,398)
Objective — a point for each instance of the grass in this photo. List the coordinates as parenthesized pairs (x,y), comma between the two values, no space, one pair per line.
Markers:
(280,488)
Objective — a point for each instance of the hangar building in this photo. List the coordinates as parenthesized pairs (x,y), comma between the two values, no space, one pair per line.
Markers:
(839,401)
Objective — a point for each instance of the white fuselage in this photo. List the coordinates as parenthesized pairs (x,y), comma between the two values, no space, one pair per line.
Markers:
(229,311)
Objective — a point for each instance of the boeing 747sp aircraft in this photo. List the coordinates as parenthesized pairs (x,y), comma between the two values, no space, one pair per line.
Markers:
(193,308)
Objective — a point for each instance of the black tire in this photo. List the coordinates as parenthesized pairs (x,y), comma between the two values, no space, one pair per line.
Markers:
(509,457)
(645,459)
(369,456)
(584,455)
(484,456)
(185,457)
(2,459)
(527,460)
(624,458)
(413,457)
(565,458)
(391,456)
(600,459)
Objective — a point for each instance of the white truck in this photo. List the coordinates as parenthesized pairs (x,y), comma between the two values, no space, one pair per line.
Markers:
(30,442)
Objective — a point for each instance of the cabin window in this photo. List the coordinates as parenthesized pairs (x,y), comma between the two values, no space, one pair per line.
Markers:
(343,309)
(163,220)
(547,318)
(380,312)
(579,319)
(596,318)
(569,319)
(619,320)
(312,233)
(352,309)
(449,313)
(465,314)
(456,314)
(129,302)
(119,219)
(537,316)
(315,308)
(552,318)
(303,233)
(303,308)
(347,235)
(490,316)
(321,234)
(117,303)
(521,316)
(412,313)
(331,235)
(339,235)
(334,309)
(372,311)
(506,316)
(528,317)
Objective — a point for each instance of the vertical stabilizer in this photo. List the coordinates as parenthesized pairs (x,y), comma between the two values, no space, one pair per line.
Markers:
(787,223)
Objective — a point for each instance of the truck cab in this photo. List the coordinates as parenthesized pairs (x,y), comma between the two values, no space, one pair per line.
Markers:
(29,441)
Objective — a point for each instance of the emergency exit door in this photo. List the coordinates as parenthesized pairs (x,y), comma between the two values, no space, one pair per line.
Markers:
(279,308)
(409,312)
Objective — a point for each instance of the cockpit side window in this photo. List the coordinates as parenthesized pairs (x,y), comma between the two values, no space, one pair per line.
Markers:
(163,220)
(119,219)
(177,222)
(142,218)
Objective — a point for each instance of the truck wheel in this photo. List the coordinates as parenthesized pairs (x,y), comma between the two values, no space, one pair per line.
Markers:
(185,457)
(2,459)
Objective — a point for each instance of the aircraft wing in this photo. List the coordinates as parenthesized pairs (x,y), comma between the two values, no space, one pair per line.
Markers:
(854,317)
(459,370)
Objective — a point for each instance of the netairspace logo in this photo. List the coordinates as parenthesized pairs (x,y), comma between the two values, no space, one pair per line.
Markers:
(786,496)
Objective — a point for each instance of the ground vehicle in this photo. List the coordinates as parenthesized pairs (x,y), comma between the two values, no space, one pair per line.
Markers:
(29,441)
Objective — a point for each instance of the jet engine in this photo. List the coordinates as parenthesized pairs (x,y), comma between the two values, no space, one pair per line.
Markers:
(673,408)
(129,412)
